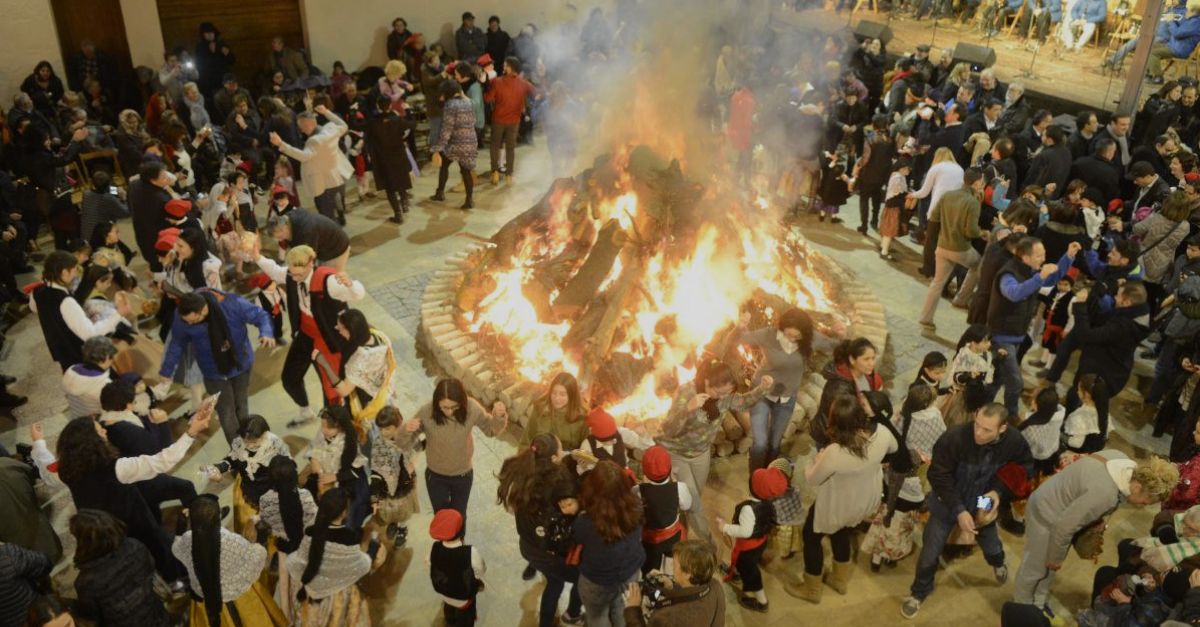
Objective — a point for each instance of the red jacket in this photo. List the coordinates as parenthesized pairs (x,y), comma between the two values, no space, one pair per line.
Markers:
(1187,491)
(507,96)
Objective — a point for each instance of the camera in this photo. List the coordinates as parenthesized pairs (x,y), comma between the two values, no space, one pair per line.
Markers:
(189,65)
(983,503)
(654,589)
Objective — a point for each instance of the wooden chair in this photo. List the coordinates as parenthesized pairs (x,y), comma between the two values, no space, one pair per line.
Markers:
(105,160)
(859,4)
(1016,19)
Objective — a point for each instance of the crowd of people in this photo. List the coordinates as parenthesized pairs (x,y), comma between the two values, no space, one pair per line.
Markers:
(1060,239)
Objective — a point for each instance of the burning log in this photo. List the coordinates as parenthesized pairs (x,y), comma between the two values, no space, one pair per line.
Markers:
(584,286)
(599,343)
(510,236)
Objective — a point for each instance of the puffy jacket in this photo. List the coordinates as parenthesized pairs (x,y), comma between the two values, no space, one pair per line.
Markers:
(238,313)
(1093,11)
(1184,35)
(1163,32)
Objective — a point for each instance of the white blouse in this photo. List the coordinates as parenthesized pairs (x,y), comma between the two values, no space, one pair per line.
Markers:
(268,511)
(242,562)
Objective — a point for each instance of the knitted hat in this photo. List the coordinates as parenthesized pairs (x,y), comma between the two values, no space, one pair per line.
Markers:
(166,239)
(447,524)
(656,463)
(602,425)
(782,465)
(768,483)
(178,207)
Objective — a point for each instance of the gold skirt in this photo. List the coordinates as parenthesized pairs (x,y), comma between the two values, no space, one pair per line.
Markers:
(254,607)
(347,608)
(243,512)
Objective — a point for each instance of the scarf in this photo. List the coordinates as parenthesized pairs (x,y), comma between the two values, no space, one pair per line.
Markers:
(219,337)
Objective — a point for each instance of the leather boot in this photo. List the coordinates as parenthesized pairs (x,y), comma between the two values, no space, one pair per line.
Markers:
(808,590)
(839,576)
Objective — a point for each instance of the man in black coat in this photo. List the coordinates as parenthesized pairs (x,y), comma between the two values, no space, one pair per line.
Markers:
(986,120)
(1086,127)
(1117,130)
(1052,166)
(1029,141)
(1150,188)
(951,135)
(1157,155)
(309,228)
(147,197)
(387,135)
(1016,110)
(1099,169)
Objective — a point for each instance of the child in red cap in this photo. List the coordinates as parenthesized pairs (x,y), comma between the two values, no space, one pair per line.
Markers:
(271,298)
(754,518)
(455,568)
(606,440)
(662,501)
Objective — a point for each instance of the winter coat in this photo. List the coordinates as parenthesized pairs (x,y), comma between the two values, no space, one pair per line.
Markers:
(1108,345)
(238,314)
(1163,236)
(389,153)
(457,141)
(22,522)
(1051,165)
(1103,175)
(1184,35)
(116,589)
(961,470)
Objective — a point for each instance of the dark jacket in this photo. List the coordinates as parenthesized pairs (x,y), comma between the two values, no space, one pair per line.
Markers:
(608,563)
(951,137)
(1014,117)
(1096,172)
(961,470)
(1080,146)
(1106,134)
(239,313)
(499,47)
(470,44)
(133,441)
(388,151)
(395,42)
(322,234)
(1149,154)
(21,572)
(1057,236)
(146,202)
(22,521)
(1108,345)
(994,258)
(1051,165)
(116,589)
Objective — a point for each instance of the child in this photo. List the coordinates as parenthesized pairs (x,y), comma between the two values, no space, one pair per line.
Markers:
(754,518)
(1058,313)
(1042,429)
(893,203)
(392,477)
(250,456)
(334,460)
(933,370)
(455,569)
(271,298)
(1073,195)
(789,514)
(834,191)
(970,375)
(1086,428)
(281,204)
(662,502)
(606,440)
(891,535)
(287,510)
(285,180)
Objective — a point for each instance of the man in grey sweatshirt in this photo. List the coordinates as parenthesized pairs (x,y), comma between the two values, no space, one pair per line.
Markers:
(1082,493)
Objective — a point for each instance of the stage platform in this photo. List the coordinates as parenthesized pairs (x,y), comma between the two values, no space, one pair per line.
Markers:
(1066,82)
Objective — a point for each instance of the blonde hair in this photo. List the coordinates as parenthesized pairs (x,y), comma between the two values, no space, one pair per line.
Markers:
(1157,477)
(943,155)
(394,70)
(190,87)
(301,255)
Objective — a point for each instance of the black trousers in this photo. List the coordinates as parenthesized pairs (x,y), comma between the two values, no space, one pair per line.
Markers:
(165,488)
(444,175)
(747,568)
(870,203)
(814,554)
(928,254)
(459,617)
(655,553)
(295,366)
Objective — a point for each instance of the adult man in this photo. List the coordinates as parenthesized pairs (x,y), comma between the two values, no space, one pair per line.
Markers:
(90,64)
(1016,110)
(316,296)
(1051,167)
(985,120)
(213,324)
(922,66)
(691,595)
(1117,130)
(499,44)
(100,205)
(1085,17)
(305,228)
(1151,188)
(1029,140)
(213,58)
(1086,126)
(1181,39)
(1084,493)
(1158,156)
(469,41)
(990,87)
(223,100)
(148,195)
(1099,169)
(965,467)
(174,74)
(958,213)
(951,135)
(287,60)
(507,95)
(396,38)
(324,167)
(1012,305)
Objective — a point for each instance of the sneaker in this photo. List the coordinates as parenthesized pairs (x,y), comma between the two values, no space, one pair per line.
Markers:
(529,573)
(1001,573)
(911,606)
(752,604)
(567,619)
(306,416)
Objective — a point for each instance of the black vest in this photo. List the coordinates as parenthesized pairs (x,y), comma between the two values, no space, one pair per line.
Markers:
(451,572)
(65,347)
(660,503)
(325,310)
(617,455)
(1004,316)
(764,516)
(878,167)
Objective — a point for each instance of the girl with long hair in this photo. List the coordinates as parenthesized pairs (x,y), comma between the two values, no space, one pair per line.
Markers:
(609,532)
(846,474)
(327,566)
(970,376)
(1042,429)
(224,572)
(116,573)
(368,368)
(393,477)
(335,459)
(287,509)
(560,412)
(65,324)
(447,422)
(1086,427)
(531,483)
(249,459)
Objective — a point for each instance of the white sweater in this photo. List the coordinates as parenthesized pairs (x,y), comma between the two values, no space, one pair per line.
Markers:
(941,178)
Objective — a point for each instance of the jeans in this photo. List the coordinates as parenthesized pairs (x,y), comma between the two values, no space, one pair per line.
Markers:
(945,261)
(941,522)
(693,473)
(233,407)
(453,492)
(557,575)
(331,204)
(604,606)
(768,420)
(505,134)
(1008,375)
(1123,51)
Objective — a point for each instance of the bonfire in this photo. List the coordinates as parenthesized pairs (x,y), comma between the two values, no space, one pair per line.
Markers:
(627,276)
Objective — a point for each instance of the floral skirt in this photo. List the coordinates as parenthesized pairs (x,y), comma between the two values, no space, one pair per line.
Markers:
(894,541)
(347,608)
(254,607)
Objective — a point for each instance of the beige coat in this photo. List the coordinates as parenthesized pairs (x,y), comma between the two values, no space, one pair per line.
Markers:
(322,164)
(849,488)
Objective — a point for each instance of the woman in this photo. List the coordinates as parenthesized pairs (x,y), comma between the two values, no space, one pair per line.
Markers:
(387,144)
(223,572)
(1157,114)
(335,460)
(108,250)
(193,104)
(447,422)
(558,412)
(129,138)
(457,142)
(787,350)
(693,422)
(327,567)
(116,574)
(944,175)
(531,484)
(368,368)
(44,87)
(65,324)
(850,372)
(1061,230)
(1160,233)
(88,465)
(249,458)
(609,533)
(869,63)
(135,353)
(288,510)
(847,475)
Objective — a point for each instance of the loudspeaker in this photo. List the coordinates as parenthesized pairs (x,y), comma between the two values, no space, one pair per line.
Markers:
(978,56)
(873,30)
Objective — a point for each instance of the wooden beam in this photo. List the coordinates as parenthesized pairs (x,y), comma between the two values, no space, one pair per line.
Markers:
(1151,11)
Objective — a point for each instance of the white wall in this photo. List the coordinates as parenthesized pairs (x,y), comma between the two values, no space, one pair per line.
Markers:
(143,32)
(27,35)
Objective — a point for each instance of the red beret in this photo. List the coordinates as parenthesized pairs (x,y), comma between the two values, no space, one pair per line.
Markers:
(279,189)
(768,483)
(602,425)
(412,39)
(656,463)
(450,66)
(486,59)
(178,207)
(1115,205)
(1191,177)
(259,280)
(166,239)
(447,524)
